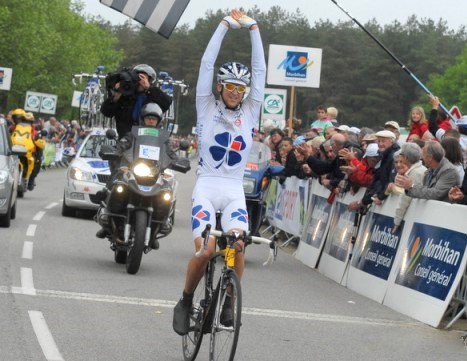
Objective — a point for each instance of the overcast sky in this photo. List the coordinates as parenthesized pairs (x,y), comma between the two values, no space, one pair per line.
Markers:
(384,11)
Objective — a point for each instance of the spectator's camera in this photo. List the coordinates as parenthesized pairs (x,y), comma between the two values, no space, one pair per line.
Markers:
(128,79)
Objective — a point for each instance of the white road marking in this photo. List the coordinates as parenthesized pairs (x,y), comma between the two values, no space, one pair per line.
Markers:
(27,250)
(27,284)
(46,341)
(51,205)
(246,310)
(38,216)
(31,230)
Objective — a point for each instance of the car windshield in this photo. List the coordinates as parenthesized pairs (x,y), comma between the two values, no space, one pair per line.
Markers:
(93,144)
(259,156)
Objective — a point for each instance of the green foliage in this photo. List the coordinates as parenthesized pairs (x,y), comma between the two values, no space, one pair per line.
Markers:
(49,44)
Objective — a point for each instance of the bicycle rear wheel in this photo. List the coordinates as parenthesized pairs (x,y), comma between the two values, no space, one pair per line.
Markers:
(191,342)
(224,338)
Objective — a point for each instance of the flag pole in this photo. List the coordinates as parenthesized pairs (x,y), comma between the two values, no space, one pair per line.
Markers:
(412,75)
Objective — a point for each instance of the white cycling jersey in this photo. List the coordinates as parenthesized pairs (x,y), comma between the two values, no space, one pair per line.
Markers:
(224,140)
(225,136)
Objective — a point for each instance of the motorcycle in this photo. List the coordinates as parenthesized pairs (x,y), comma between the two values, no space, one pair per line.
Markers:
(256,180)
(140,206)
(23,138)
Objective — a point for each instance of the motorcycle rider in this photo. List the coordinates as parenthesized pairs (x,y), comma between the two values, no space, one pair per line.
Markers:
(40,145)
(151,116)
(23,133)
(225,132)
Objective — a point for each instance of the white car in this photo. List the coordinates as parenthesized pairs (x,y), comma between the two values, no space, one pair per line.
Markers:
(86,175)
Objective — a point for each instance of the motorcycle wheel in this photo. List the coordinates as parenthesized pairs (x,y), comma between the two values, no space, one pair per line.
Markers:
(255,215)
(135,252)
(120,256)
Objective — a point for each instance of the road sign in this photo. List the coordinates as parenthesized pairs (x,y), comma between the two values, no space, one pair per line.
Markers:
(5,78)
(40,102)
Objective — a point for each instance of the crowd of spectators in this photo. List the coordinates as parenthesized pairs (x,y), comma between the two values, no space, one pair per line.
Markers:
(429,164)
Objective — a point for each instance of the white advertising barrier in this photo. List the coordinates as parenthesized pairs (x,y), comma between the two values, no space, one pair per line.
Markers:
(316,225)
(291,205)
(335,256)
(375,251)
(270,200)
(433,257)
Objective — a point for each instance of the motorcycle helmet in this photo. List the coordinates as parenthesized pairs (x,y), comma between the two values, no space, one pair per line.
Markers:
(29,117)
(233,72)
(151,109)
(149,70)
(18,115)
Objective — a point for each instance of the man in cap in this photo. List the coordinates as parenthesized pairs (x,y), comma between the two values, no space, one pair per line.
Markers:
(387,146)
(394,127)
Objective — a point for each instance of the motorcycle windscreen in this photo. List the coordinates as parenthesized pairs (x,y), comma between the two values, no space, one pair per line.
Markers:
(151,144)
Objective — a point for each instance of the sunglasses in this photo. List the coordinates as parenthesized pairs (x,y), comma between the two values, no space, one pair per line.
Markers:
(231,87)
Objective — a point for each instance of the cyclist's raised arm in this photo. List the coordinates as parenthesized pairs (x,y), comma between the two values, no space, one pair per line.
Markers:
(206,69)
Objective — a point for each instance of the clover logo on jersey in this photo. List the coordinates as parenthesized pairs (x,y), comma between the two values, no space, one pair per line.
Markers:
(240,214)
(197,214)
(228,149)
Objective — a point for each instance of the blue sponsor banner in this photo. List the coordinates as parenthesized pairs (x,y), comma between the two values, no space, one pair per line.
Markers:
(96,164)
(377,245)
(431,260)
(340,234)
(319,216)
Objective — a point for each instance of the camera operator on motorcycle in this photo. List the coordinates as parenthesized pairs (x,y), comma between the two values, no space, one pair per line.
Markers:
(128,91)
(225,132)
(151,116)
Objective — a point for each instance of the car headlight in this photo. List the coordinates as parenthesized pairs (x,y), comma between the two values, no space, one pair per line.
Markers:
(81,175)
(249,185)
(3,176)
(142,169)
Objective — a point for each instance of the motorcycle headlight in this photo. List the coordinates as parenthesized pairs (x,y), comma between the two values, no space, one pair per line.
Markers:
(249,185)
(144,170)
(81,175)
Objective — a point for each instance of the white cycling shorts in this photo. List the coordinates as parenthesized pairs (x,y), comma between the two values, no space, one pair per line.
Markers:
(213,194)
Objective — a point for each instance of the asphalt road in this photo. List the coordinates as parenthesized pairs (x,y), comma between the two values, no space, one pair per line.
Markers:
(62,297)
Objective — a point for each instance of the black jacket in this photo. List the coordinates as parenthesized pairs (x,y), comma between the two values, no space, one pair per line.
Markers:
(122,109)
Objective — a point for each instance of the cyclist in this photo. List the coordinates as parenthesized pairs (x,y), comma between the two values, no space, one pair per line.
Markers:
(225,133)
(127,108)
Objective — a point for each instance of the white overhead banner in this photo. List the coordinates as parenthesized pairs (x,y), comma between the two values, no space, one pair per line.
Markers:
(294,66)
(40,102)
(5,78)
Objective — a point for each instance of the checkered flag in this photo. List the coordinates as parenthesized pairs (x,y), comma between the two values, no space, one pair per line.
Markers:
(160,16)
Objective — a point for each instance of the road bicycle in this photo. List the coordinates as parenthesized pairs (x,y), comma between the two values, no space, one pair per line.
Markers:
(91,99)
(210,297)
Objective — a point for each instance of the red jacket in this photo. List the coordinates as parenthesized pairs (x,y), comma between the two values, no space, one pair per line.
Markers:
(418,128)
(363,175)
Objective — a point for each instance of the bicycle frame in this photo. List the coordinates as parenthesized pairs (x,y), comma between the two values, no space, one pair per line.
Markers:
(91,99)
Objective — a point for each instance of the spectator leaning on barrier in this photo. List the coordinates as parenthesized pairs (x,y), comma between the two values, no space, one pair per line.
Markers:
(330,168)
(459,195)
(384,174)
(406,162)
(439,178)
(361,172)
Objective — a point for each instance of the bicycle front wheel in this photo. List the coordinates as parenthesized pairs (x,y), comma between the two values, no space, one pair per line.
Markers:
(191,342)
(226,324)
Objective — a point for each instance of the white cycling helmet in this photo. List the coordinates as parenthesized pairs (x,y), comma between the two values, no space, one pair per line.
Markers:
(233,72)
(149,70)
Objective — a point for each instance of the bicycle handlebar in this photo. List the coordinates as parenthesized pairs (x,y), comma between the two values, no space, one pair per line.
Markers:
(80,76)
(249,239)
